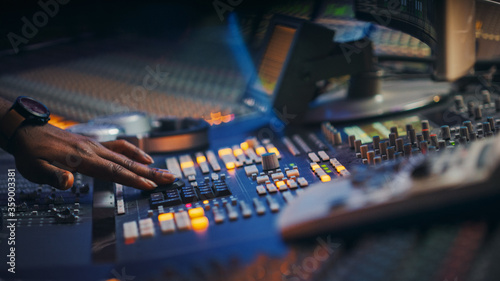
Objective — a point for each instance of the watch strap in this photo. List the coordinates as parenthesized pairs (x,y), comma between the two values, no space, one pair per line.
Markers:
(8,126)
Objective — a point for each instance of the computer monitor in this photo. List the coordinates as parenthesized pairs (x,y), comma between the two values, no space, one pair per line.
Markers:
(299,53)
(447,26)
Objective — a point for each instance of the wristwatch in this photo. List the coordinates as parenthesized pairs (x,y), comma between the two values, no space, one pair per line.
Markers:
(25,110)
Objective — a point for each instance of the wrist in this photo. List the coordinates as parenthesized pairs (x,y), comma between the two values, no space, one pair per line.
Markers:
(24,112)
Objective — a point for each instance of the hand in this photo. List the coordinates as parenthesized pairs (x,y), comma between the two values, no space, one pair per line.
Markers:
(49,155)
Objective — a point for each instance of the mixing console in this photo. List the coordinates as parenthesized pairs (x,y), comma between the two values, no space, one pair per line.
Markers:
(225,203)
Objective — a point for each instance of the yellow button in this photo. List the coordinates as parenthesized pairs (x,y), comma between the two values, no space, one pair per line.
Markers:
(230,165)
(225,151)
(260,150)
(325,178)
(339,168)
(187,164)
(165,217)
(201,159)
(237,152)
(280,183)
(274,150)
(196,212)
(244,145)
(199,224)
(314,166)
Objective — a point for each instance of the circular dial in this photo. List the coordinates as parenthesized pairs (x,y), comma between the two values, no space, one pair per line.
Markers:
(34,107)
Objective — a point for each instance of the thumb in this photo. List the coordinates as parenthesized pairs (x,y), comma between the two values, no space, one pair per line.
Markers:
(40,171)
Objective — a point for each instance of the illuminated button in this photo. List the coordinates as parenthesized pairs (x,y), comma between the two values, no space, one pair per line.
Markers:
(202,162)
(249,170)
(302,182)
(199,223)
(277,176)
(313,157)
(200,158)
(225,151)
(212,160)
(323,155)
(260,150)
(325,178)
(196,212)
(339,168)
(237,152)
(182,220)
(146,227)
(165,217)
(261,190)
(292,184)
(292,173)
(315,166)
(244,145)
(262,179)
(130,232)
(281,184)
(230,165)
(167,224)
(274,150)
(259,207)
(271,187)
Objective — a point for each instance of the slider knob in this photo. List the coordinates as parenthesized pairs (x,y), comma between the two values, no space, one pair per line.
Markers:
(270,161)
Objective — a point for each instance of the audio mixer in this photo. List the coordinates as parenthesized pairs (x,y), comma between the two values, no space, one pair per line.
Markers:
(228,197)
(282,171)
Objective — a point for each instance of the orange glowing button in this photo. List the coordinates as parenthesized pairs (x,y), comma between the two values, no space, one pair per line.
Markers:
(187,164)
(325,178)
(280,184)
(314,166)
(339,168)
(196,212)
(260,150)
(244,145)
(230,165)
(225,151)
(237,152)
(165,217)
(201,159)
(199,224)
(274,150)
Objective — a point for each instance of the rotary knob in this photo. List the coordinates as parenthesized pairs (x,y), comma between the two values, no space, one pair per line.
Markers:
(270,161)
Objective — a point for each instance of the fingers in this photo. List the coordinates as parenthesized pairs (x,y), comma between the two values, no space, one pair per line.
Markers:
(129,150)
(108,170)
(40,171)
(156,175)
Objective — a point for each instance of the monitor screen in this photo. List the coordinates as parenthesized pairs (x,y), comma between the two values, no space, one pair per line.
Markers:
(274,57)
(447,26)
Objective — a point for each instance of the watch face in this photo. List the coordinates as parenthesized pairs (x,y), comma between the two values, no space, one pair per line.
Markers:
(34,107)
